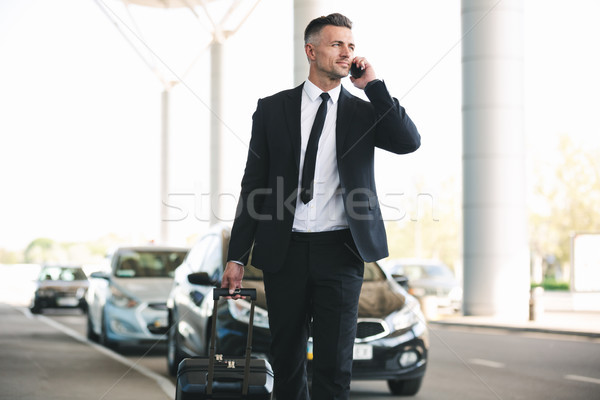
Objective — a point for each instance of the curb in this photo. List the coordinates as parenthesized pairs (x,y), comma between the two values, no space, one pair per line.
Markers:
(517,328)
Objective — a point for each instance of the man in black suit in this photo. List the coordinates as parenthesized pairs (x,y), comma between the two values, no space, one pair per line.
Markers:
(309,212)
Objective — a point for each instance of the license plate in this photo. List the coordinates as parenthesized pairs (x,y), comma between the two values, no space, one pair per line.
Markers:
(360,351)
(67,302)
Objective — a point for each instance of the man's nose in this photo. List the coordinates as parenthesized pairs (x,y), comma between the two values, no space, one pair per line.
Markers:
(346,52)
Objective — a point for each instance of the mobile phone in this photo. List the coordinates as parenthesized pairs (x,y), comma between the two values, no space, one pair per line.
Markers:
(355,71)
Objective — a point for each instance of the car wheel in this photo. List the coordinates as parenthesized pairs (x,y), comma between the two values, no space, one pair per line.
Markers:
(406,387)
(36,309)
(104,340)
(174,353)
(91,335)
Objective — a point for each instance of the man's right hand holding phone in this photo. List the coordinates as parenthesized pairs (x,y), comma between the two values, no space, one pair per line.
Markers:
(361,72)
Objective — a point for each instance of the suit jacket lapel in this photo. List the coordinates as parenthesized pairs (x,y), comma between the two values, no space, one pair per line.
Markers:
(293,107)
(346,108)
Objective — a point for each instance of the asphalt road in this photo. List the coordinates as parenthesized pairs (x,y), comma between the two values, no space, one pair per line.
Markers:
(48,357)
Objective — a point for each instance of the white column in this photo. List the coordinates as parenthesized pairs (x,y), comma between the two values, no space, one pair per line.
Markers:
(164,166)
(495,245)
(216,128)
(304,12)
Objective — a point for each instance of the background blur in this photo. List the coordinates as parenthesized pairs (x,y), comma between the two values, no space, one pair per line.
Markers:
(80,123)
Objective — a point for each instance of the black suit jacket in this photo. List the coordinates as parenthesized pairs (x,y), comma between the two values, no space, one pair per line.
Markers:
(265,212)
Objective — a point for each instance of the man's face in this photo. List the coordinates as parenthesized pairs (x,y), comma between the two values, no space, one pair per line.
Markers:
(333,52)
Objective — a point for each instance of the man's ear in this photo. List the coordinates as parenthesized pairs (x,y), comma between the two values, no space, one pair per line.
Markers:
(309,49)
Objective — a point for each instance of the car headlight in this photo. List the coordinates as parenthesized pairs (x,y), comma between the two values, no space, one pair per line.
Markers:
(120,299)
(417,291)
(409,315)
(455,293)
(240,311)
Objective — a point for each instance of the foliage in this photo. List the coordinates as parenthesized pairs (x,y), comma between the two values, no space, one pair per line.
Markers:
(566,198)
(552,284)
(42,250)
(431,227)
(10,257)
(45,250)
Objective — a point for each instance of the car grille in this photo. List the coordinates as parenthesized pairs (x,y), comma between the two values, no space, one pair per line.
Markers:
(440,292)
(58,292)
(158,306)
(157,330)
(367,329)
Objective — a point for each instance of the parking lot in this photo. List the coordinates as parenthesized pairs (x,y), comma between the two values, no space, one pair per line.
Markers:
(48,356)
(42,358)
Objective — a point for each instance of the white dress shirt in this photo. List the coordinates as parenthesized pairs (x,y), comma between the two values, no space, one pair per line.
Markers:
(325,212)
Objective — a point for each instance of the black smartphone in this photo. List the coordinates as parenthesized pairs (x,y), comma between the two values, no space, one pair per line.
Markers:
(355,71)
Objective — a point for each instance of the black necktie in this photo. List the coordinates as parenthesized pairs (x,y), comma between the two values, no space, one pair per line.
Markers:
(310,157)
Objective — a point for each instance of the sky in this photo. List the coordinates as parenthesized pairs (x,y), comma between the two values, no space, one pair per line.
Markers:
(80,111)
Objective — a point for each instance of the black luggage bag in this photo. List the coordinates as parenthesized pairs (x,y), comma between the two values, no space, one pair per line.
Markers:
(224,377)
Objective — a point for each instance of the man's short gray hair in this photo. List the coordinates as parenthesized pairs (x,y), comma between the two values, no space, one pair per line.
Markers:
(316,25)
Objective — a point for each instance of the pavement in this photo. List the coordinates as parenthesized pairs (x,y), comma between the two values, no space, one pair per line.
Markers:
(566,313)
(33,364)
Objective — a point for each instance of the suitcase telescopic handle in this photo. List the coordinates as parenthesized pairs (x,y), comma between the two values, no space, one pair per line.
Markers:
(244,292)
(224,292)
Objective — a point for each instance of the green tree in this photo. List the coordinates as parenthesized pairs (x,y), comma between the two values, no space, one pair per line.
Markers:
(42,250)
(431,226)
(566,199)
(10,257)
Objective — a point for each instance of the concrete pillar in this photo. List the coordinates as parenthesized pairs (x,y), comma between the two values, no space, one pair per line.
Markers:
(216,128)
(304,12)
(164,166)
(495,245)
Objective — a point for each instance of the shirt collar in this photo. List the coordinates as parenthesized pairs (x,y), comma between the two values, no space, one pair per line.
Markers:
(314,92)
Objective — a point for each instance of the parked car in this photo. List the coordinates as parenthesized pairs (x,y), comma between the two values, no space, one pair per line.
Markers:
(392,337)
(60,286)
(428,277)
(127,302)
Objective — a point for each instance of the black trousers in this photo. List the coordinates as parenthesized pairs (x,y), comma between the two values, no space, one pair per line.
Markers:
(320,282)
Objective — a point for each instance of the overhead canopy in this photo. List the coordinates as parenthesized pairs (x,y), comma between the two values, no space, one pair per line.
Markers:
(169,3)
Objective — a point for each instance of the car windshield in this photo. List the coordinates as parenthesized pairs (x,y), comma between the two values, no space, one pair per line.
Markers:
(433,271)
(62,274)
(373,273)
(148,263)
(438,271)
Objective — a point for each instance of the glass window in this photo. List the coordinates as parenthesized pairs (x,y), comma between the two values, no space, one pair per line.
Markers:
(439,271)
(196,257)
(148,263)
(62,274)
(373,273)
(213,261)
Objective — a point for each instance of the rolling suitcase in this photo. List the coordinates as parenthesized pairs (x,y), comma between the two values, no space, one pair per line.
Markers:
(224,377)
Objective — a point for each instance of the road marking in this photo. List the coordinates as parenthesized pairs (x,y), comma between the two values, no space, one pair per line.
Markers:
(161,381)
(27,313)
(487,363)
(582,379)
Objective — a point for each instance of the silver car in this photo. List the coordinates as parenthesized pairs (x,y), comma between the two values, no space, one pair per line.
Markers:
(428,278)
(127,302)
(60,286)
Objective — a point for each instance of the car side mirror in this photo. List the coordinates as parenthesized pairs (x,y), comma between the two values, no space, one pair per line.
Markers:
(100,275)
(401,279)
(200,278)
